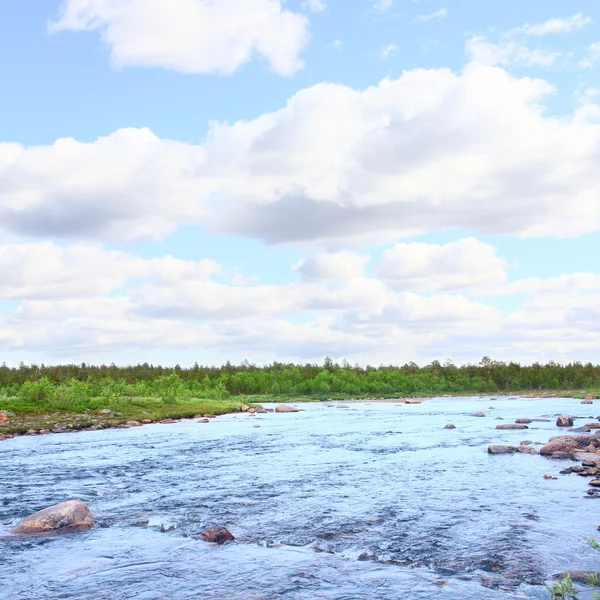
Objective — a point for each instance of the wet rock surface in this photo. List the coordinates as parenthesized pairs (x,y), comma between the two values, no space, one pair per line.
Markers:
(66,516)
(217,535)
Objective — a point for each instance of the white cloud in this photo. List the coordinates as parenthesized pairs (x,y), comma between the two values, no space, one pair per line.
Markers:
(506,53)
(382,4)
(191,35)
(592,57)
(575,283)
(172,305)
(128,185)
(466,263)
(388,50)
(431,149)
(315,5)
(45,270)
(563,25)
(325,267)
(438,14)
(338,45)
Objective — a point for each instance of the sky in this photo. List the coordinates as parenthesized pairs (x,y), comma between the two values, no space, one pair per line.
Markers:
(380,181)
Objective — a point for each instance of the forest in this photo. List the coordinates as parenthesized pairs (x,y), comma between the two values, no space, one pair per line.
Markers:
(39,382)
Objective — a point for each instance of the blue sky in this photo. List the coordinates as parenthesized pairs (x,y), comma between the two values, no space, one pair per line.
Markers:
(376,180)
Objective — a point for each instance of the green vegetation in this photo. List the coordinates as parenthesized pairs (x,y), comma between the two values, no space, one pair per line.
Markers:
(68,384)
(55,393)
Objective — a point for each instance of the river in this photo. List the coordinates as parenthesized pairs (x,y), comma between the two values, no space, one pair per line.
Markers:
(374,502)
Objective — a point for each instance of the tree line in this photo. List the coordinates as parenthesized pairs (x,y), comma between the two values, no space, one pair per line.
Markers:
(312,379)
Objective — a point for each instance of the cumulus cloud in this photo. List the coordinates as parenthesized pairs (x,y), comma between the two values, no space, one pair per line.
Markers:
(326,267)
(45,270)
(466,263)
(431,149)
(191,36)
(124,186)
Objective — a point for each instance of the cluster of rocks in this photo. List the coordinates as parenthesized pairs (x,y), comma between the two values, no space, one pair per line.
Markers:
(523,447)
(75,515)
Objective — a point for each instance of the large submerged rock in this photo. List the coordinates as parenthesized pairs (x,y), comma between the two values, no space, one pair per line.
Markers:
(564,421)
(512,426)
(71,515)
(284,408)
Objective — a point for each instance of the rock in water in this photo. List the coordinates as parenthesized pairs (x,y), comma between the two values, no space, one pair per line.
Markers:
(283,408)
(217,535)
(523,420)
(564,421)
(478,414)
(501,449)
(71,515)
(512,426)
(450,426)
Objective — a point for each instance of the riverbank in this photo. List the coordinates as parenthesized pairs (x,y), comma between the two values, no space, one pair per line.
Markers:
(38,418)
(21,420)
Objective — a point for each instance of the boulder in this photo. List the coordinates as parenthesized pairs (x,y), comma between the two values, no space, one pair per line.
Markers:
(591,397)
(132,424)
(478,414)
(592,425)
(450,426)
(66,516)
(595,482)
(217,535)
(564,421)
(523,420)
(3,417)
(587,402)
(244,408)
(284,408)
(409,401)
(561,455)
(511,426)
(146,421)
(587,457)
(547,476)
(526,450)
(501,449)
(203,421)
(566,443)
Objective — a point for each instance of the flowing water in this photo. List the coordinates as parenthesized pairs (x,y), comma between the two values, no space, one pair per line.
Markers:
(375,502)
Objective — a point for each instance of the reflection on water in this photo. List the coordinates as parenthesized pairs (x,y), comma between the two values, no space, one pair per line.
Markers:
(374,502)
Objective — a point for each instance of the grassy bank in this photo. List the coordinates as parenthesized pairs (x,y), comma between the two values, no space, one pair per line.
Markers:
(46,414)
(40,405)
